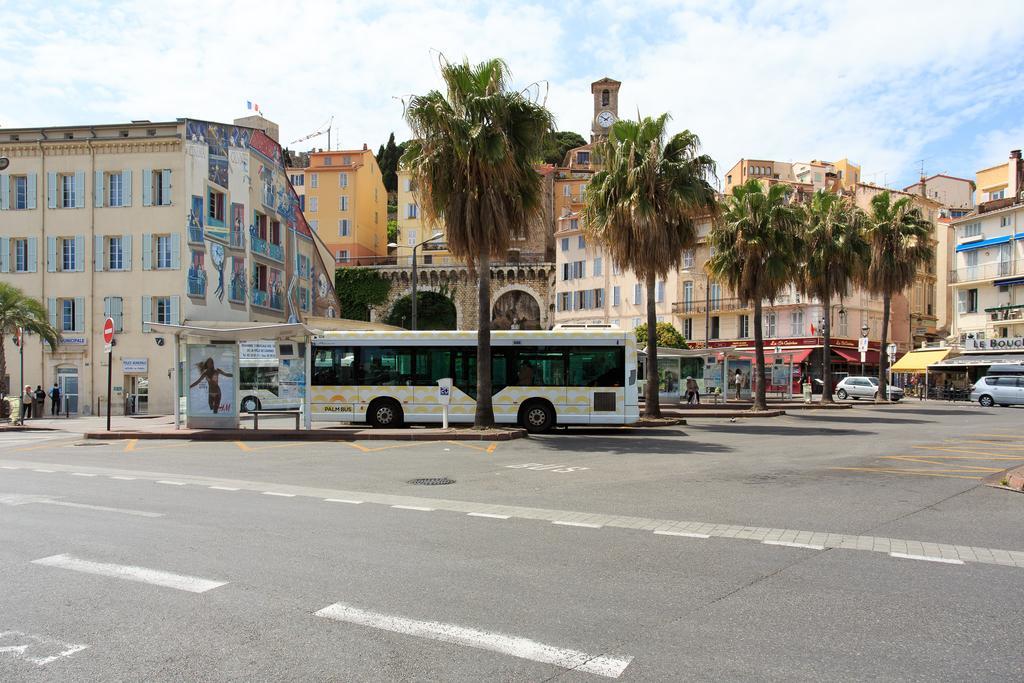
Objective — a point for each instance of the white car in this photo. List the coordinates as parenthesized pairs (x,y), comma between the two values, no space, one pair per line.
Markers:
(1005,390)
(864,387)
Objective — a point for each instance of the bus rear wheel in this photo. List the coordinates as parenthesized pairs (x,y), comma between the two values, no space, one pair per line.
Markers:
(537,417)
(250,403)
(384,413)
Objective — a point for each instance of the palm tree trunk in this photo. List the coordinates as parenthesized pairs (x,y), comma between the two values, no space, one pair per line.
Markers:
(826,390)
(652,406)
(757,376)
(3,367)
(883,393)
(484,417)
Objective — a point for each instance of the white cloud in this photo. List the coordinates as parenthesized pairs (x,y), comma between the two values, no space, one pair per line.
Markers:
(785,80)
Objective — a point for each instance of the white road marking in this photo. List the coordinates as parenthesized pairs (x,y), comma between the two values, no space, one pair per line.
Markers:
(182,582)
(687,534)
(101,508)
(523,648)
(82,474)
(9,467)
(343,500)
(223,488)
(33,648)
(582,524)
(275,493)
(487,514)
(927,558)
(793,544)
(124,478)
(44,471)
(412,507)
(170,483)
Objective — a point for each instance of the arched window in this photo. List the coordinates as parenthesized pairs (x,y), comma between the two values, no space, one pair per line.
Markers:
(606,97)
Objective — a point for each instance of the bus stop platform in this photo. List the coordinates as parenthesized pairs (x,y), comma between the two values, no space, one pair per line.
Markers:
(317,434)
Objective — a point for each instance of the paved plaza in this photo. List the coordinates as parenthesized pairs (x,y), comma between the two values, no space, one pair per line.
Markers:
(855,544)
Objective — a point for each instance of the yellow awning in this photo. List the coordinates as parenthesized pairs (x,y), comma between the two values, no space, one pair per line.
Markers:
(918,361)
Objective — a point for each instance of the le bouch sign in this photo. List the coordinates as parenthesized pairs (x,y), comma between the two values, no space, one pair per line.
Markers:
(1004,344)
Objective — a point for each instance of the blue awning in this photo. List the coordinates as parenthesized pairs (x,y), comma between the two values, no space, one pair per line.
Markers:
(1009,281)
(983,243)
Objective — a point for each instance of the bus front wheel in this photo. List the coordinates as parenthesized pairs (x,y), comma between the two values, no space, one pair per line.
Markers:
(250,403)
(537,417)
(384,413)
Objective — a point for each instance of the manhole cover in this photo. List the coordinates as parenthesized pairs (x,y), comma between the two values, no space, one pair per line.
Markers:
(431,481)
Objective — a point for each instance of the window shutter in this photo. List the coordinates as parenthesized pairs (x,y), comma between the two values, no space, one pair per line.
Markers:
(51,189)
(175,251)
(165,187)
(5,255)
(32,255)
(97,189)
(147,312)
(175,310)
(51,254)
(147,251)
(31,190)
(79,253)
(51,304)
(97,253)
(126,252)
(117,313)
(107,307)
(147,187)
(79,314)
(126,186)
(5,192)
(79,189)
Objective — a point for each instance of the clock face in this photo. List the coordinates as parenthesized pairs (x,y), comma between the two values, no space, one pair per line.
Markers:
(605,119)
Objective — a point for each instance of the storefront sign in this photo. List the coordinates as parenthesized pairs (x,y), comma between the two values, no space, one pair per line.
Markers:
(73,340)
(135,366)
(1003,344)
(257,350)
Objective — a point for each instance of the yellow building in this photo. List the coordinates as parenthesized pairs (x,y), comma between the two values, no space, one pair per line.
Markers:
(347,205)
(148,223)
(994,183)
(412,229)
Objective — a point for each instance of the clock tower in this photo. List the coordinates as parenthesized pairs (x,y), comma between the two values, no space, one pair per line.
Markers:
(606,107)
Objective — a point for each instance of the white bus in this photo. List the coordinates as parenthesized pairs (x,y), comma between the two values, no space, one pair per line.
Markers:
(540,379)
(267,376)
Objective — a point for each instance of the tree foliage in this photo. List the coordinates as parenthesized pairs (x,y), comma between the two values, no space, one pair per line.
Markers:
(668,336)
(643,206)
(560,142)
(472,157)
(358,290)
(434,311)
(388,157)
(20,310)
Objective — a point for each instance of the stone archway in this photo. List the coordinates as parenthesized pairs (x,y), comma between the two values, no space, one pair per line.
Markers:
(516,309)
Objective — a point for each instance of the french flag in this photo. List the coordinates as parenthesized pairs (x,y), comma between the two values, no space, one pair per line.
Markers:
(252,107)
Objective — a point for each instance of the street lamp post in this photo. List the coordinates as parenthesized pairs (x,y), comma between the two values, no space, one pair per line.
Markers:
(864,334)
(433,237)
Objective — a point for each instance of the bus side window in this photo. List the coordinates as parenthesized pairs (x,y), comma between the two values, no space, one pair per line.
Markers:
(432,363)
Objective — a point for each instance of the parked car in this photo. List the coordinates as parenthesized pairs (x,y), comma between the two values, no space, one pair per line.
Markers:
(864,387)
(1005,390)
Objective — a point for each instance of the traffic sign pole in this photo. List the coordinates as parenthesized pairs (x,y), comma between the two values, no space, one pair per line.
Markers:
(108,340)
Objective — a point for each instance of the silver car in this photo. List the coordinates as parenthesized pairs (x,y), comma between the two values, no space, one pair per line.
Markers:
(864,387)
(1006,390)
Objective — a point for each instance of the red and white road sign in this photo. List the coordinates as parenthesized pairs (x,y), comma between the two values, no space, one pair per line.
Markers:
(108,330)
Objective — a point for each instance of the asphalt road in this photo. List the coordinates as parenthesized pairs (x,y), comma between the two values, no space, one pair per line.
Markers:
(751,550)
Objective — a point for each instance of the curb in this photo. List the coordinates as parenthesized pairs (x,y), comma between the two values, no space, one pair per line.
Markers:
(663,422)
(745,412)
(316,435)
(1014,477)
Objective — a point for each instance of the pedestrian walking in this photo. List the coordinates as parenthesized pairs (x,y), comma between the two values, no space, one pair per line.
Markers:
(55,400)
(737,381)
(40,404)
(807,388)
(27,398)
(692,392)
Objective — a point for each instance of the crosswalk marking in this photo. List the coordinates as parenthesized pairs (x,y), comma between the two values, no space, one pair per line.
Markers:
(156,577)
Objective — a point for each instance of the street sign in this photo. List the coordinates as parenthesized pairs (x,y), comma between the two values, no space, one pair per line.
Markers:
(108,330)
(891,350)
(862,344)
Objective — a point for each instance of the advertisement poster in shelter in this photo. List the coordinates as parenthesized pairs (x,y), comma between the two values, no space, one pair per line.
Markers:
(211,380)
(292,379)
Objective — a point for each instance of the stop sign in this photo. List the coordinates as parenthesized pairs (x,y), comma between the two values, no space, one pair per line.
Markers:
(108,330)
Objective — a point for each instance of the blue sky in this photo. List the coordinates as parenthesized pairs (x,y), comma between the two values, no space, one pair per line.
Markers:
(886,84)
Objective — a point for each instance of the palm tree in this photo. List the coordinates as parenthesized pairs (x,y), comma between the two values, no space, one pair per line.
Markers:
(833,253)
(643,205)
(900,243)
(18,310)
(756,251)
(471,157)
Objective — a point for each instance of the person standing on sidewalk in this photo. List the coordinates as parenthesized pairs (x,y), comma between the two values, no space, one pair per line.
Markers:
(806,387)
(40,404)
(737,381)
(27,397)
(55,400)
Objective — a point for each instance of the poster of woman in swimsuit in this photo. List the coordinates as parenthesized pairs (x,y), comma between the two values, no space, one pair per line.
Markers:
(211,389)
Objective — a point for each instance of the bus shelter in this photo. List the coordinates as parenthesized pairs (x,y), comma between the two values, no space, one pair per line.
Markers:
(208,367)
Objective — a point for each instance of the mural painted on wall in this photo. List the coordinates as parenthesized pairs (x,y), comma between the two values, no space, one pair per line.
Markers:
(195,220)
(238,231)
(196,278)
(516,310)
(323,304)
(196,216)
(218,138)
(217,256)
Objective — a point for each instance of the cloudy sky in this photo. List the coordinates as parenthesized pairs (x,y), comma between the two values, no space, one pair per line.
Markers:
(887,84)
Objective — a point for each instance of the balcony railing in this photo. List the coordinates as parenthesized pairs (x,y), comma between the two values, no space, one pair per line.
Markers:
(236,239)
(272,299)
(513,259)
(197,283)
(236,290)
(984,271)
(269,249)
(195,234)
(687,307)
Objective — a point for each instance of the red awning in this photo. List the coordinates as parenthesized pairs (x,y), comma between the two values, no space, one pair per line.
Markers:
(796,356)
(870,357)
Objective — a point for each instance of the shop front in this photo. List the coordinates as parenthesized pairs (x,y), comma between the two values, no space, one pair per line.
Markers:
(961,372)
